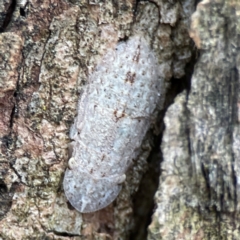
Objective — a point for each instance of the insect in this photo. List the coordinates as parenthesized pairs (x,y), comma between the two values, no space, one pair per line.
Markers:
(113,117)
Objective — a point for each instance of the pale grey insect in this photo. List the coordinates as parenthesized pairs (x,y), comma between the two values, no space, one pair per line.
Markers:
(113,117)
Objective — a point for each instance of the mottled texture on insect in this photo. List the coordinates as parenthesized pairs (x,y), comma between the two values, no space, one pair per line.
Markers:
(113,117)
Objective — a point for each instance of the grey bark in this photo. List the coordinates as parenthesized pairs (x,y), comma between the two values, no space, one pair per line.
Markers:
(198,195)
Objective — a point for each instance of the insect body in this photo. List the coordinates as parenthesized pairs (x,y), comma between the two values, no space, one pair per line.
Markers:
(113,117)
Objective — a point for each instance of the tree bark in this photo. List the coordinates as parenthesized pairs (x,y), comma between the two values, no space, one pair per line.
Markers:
(48,49)
(198,195)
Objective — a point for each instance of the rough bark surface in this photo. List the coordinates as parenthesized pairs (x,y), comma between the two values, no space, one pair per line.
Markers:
(47,51)
(198,195)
